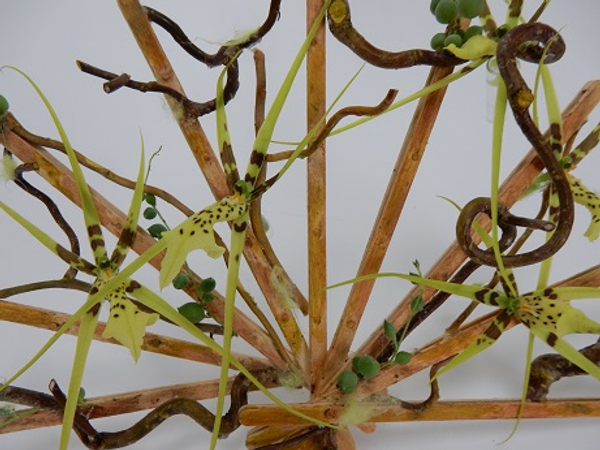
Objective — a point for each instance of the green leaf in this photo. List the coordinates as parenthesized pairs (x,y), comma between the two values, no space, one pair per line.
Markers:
(390,331)
(130,226)
(90,215)
(156,230)
(71,258)
(192,311)
(180,281)
(87,327)
(416,305)
(207,285)
(481,343)
(367,366)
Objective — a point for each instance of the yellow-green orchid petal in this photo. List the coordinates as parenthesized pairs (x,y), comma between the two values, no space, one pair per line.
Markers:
(87,326)
(196,232)
(475,48)
(127,323)
(591,201)
(554,314)
(7,168)
(484,341)
(129,227)
(568,351)
(69,257)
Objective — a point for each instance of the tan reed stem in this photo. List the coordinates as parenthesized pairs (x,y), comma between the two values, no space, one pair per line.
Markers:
(387,219)
(155,343)
(316,194)
(260,415)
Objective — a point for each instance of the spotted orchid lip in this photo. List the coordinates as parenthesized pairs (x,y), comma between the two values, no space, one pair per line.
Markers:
(237,197)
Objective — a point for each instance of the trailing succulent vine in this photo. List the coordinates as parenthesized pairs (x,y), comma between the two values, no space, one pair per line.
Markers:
(354,382)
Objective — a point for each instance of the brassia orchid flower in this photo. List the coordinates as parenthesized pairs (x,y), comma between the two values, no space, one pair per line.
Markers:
(126,323)
(547,313)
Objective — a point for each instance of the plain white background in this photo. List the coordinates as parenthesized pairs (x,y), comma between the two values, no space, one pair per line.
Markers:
(45,38)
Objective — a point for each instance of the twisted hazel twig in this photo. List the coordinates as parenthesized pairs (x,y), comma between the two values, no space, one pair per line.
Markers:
(551,367)
(340,25)
(94,439)
(528,42)
(222,57)
(190,107)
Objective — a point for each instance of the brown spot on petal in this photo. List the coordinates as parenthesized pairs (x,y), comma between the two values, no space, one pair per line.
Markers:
(96,243)
(551,339)
(133,285)
(240,228)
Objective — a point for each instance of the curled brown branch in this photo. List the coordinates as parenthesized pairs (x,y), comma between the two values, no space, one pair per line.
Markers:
(191,108)
(52,209)
(221,57)
(64,283)
(528,41)
(327,129)
(334,120)
(340,24)
(94,439)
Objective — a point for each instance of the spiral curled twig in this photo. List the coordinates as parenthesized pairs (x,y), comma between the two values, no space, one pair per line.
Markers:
(529,42)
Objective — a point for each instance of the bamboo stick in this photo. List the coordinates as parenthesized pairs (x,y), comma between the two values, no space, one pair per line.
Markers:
(259,415)
(261,437)
(387,218)
(155,343)
(316,207)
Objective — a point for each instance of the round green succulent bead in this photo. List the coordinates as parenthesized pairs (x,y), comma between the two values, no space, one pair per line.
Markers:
(207,285)
(453,39)
(192,312)
(402,358)
(470,8)
(367,366)
(181,281)
(4,106)
(437,41)
(150,199)
(446,11)
(347,381)
(433,5)
(475,30)
(149,213)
